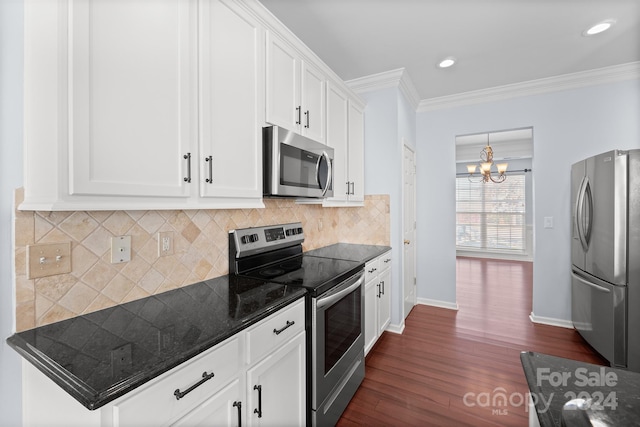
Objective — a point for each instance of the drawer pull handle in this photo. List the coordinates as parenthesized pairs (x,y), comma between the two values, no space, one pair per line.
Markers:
(259,410)
(279,331)
(372,270)
(239,406)
(387,260)
(205,377)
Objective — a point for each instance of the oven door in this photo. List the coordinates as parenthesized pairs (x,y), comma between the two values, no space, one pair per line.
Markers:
(337,348)
(296,166)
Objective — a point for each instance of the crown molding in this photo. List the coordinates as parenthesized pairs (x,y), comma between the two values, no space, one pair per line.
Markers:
(616,73)
(388,79)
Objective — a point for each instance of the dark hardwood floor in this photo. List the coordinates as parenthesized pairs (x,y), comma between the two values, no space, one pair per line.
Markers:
(447,366)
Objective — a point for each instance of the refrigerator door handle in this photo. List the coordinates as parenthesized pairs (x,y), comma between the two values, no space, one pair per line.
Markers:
(579,215)
(588,218)
(588,283)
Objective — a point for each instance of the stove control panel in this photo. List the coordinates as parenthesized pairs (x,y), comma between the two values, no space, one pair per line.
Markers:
(248,241)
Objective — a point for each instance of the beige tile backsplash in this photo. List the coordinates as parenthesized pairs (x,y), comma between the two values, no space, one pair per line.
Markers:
(200,250)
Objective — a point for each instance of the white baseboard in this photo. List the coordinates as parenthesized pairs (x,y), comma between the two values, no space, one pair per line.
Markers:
(396,329)
(551,321)
(437,303)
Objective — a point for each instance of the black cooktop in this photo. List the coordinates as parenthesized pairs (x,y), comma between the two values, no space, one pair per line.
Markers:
(316,274)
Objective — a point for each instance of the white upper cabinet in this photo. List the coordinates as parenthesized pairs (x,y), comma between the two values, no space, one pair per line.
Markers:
(295,91)
(337,136)
(132,96)
(231,100)
(356,151)
(313,103)
(142,105)
(345,133)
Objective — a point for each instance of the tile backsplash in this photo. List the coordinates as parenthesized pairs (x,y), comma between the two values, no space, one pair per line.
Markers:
(200,250)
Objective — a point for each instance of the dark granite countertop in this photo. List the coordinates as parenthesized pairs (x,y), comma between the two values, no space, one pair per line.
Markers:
(553,381)
(350,251)
(155,333)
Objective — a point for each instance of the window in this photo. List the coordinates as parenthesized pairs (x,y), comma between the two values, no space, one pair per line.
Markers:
(491,217)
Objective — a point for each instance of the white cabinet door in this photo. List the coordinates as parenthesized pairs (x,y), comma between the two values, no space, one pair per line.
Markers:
(337,138)
(132,96)
(356,153)
(384,300)
(222,409)
(283,84)
(231,69)
(370,314)
(313,103)
(277,387)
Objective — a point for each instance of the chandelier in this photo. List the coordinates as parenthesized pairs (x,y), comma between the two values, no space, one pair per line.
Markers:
(486,157)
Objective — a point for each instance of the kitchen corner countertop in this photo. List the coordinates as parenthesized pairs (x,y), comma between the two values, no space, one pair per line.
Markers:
(612,395)
(153,334)
(350,251)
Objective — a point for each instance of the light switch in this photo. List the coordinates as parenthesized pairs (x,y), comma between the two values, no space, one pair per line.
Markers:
(548,222)
(48,259)
(120,249)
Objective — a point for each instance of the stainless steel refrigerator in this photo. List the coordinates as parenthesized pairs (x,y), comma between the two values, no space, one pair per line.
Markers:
(605,255)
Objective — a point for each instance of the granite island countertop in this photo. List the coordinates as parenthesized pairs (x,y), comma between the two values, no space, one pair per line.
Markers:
(553,381)
(154,335)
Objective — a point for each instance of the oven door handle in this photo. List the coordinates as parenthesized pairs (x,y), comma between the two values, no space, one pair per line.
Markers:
(329,300)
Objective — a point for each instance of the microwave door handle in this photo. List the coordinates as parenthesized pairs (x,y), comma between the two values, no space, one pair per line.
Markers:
(323,302)
(329,171)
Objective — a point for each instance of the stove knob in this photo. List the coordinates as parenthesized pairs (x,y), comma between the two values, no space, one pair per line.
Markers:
(288,232)
(299,230)
(244,240)
(254,238)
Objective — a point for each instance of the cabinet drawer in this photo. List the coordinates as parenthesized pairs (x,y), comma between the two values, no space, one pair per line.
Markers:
(371,269)
(156,403)
(384,261)
(274,331)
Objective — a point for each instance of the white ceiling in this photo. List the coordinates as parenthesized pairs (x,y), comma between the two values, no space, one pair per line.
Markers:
(496,42)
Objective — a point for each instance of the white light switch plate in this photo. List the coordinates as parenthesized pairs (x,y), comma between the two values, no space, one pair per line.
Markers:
(548,222)
(120,249)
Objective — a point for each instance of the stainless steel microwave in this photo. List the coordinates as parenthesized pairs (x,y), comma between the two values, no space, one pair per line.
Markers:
(295,166)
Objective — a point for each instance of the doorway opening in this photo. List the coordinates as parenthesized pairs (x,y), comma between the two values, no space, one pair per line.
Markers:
(494,221)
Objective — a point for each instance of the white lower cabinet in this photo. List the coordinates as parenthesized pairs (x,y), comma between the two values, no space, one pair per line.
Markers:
(261,368)
(377,299)
(277,387)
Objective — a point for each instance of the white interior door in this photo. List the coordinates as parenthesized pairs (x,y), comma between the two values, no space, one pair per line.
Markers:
(409,231)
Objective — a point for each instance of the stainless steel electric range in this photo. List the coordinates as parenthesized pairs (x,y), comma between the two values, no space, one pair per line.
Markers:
(334,310)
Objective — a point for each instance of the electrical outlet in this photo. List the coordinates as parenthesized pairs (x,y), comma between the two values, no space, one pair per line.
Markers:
(165,243)
(120,249)
(121,361)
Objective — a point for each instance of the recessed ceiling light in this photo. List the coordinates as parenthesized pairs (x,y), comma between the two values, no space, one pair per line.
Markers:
(599,27)
(447,62)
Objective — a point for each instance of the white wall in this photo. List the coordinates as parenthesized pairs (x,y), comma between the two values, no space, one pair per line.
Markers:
(567,126)
(11,12)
